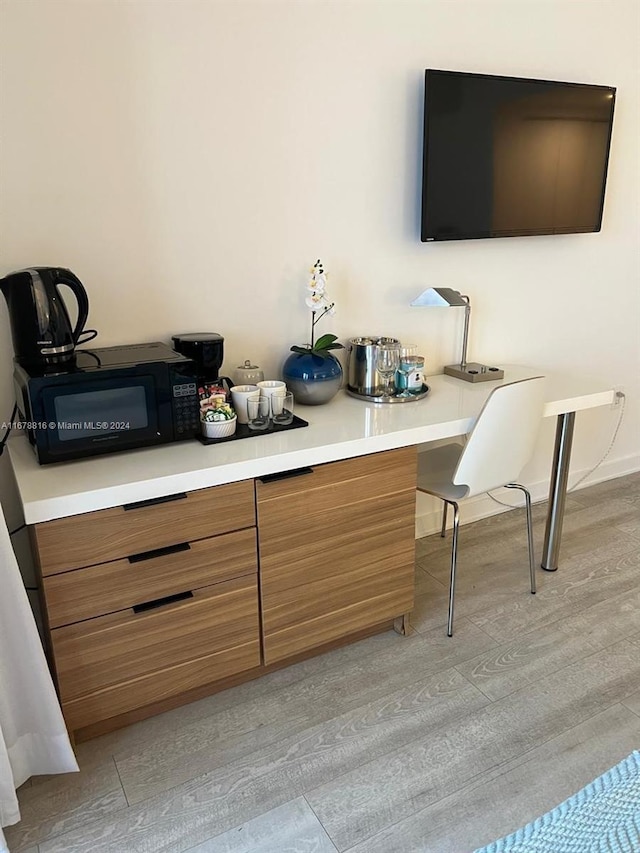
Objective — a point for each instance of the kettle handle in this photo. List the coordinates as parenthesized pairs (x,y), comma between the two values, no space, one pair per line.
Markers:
(65,276)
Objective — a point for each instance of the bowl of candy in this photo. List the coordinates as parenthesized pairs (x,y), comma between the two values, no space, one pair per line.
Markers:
(218,419)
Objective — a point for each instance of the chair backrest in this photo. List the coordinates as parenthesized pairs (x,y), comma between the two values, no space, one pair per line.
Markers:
(503,437)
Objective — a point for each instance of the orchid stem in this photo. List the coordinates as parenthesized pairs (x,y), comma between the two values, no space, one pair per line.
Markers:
(315,319)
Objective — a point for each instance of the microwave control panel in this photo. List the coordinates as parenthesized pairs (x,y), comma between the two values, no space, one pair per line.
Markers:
(186,410)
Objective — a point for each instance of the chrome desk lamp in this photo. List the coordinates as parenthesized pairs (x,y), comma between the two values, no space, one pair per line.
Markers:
(472,371)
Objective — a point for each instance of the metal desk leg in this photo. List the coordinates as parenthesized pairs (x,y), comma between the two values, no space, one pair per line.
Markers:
(558,491)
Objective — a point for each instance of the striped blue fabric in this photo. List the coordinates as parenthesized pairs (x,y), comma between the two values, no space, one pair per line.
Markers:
(604,817)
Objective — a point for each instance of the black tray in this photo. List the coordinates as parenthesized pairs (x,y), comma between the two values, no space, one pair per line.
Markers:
(243,431)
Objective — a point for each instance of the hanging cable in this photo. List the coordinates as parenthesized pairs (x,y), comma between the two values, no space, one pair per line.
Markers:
(90,335)
(622,397)
(5,437)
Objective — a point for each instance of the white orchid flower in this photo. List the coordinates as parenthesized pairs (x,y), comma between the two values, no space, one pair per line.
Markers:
(320,304)
(319,283)
(314,301)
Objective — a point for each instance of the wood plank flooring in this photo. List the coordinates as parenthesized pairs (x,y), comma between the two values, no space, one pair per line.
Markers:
(423,744)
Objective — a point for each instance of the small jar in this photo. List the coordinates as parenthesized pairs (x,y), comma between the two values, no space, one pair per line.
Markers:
(411,378)
(248,374)
(416,379)
(408,354)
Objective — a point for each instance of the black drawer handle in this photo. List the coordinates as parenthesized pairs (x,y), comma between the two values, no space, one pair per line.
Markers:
(159,552)
(160,602)
(154,501)
(285,475)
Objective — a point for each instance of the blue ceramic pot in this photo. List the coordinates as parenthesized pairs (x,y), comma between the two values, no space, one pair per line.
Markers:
(312,379)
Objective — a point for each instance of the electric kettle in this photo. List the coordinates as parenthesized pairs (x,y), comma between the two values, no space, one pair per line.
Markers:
(40,325)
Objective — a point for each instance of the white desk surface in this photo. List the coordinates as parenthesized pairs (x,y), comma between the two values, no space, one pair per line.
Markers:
(341,429)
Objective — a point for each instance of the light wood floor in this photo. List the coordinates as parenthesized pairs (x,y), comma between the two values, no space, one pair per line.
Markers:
(393,744)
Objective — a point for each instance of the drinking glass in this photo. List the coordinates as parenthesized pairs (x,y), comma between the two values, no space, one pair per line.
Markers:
(258,411)
(282,408)
(387,362)
(405,367)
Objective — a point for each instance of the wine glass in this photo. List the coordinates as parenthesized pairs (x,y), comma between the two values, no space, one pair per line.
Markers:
(387,362)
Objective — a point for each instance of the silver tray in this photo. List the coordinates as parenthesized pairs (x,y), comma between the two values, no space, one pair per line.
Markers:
(373,399)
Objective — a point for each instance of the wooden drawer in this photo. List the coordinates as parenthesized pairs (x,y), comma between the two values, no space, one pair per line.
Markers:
(297,619)
(347,481)
(113,664)
(118,585)
(109,534)
(342,516)
(332,540)
(337,550)
(315,514)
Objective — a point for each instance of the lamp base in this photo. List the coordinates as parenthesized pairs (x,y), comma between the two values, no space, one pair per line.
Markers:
(474,372)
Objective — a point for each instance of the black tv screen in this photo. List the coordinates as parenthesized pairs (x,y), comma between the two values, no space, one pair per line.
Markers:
(511,157)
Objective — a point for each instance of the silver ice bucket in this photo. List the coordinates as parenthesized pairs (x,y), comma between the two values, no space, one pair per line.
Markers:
(362,375)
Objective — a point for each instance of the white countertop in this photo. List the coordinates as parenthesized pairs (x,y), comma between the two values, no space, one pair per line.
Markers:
(341,429)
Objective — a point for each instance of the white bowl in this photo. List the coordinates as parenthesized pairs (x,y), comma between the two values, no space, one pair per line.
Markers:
(219,429)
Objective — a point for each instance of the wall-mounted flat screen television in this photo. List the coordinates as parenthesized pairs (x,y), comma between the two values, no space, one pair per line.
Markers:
(512,157)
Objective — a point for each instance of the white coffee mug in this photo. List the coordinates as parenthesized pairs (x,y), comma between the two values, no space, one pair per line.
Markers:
(239,395)
(272,386)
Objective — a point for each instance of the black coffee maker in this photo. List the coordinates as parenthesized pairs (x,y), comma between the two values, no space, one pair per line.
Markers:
(40,324)
(207,350)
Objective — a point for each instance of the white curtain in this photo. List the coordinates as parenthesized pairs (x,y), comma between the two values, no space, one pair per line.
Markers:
(33,737)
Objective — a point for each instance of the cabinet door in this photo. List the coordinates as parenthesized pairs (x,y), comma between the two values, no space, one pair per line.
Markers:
(337,550)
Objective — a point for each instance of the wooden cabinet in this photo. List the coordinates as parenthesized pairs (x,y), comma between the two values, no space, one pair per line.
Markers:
(337,546)
(150,601)
(154,603)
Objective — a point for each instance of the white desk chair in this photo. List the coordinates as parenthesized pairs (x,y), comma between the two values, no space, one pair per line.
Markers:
(498,447)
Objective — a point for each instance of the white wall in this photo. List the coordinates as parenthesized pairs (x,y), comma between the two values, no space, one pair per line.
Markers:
(190,160)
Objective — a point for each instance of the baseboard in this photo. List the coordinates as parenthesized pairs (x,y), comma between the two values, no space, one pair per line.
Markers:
(429,510)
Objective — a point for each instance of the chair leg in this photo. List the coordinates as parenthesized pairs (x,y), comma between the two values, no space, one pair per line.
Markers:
(527,500)
(454,558)
(444,519)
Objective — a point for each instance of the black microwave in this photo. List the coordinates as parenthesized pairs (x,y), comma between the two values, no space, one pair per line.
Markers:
(108,399)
